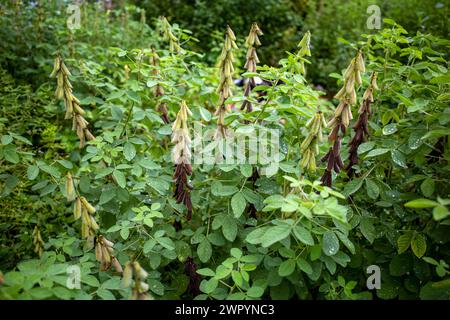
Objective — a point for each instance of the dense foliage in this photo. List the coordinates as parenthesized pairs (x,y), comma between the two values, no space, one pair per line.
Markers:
(95,128)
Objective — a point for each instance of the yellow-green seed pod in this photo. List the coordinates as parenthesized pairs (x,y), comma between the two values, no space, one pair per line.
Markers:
(87,205)
(98,252)
(93,224)
(70,191)
(127,275)
(56,67)
(77,209)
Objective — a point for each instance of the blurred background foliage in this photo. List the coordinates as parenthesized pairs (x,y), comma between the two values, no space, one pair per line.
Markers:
(284,21)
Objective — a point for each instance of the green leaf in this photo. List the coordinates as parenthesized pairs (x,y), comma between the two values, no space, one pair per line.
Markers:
(124,233)
(229,228)
(404,241)
(286,268)
(204,251)
(166,243)
(235,252)
(398,158)
(303,235)
(105,294)
(315,252)
(440,212)
(238,204)
(10,154)
(255,236)
(107,195)
(6,139)
(366,146)
(206,115)
(304,265)
(246,170)
(90,280)
(255,292)
(376,152)
(62,293)
(53,171)
(32,172)
(441,79)
(390,129)
(40,293)
(222,272)
(427,187)
(419,245)
(148,245)
(421,203)
(149,164)
(330,243)
(156,286)
(104,172)
(353,186)
(120,178)
(373,191)
(65,163)
(129,151)
(347,243)
(206,272)
(367,228)
(275,234)
(219,189)
(208,286)
(237,278)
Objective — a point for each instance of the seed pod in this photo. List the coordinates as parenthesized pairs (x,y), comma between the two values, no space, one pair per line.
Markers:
(87,205)
(93,224)
(88,135)
(70,191)
(77,209)
(116,264)
(107,242)
(56,67)
(127,275)
(98,252)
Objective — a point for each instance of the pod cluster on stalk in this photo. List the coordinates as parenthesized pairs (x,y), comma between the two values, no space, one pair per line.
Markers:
(361,126)
(134,271)
(72,104)
(304,51)
(251,42)
(181,155)
(166,30)
(159,90)
(226,70)
(342,116)
(190,269)
(104,253)
(84,210)
(37,241)
(310,146)
(347,97)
